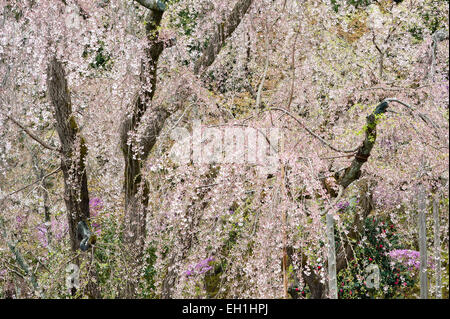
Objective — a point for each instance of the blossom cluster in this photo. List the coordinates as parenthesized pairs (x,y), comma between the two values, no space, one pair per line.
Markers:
(200,268)
(58,228)
(410,258)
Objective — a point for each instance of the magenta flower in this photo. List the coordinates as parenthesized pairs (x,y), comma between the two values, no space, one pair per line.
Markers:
(42,235)
(95,205)
(343,205)
(200,268)
(409,258)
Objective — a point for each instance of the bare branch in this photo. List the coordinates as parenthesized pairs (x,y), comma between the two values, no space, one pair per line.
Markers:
(314,134)
(424,117)
(32,135)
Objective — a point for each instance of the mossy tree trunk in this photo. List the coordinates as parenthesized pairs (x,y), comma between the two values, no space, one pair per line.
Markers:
(73,150)
(136,151)
(73,156)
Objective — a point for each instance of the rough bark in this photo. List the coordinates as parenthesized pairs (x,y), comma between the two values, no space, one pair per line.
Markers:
(135,205)
(73,150)
(223,32)
(353,172)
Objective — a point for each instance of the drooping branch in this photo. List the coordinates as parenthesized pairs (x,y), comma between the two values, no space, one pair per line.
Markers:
(146,122)
(186,240)
(266,67)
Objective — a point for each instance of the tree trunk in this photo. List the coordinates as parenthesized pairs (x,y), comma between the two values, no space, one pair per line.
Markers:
(135,186)
(73,150)
(73,157)
(223,32)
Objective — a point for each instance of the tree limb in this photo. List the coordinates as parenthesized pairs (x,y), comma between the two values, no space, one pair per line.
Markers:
(32,135)
(223,32)
(153,4)
(312,133)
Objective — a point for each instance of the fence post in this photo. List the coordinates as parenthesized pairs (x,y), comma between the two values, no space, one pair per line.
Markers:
(437,248)
(332,281)
(423,244)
